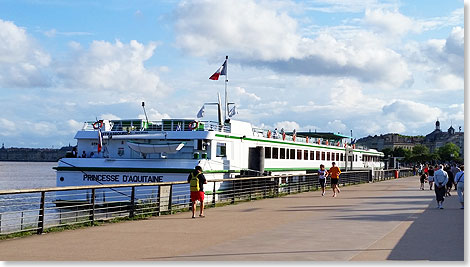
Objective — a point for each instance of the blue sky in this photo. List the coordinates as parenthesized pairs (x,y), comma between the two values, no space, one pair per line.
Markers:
(370,66)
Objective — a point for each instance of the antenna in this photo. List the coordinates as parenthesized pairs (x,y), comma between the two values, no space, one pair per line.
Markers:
(143,106)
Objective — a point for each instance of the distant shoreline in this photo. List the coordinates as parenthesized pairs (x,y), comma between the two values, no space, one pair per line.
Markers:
(33,154)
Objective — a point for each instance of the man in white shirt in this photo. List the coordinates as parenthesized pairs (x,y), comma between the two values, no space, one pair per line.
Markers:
(459,179)
(440,181)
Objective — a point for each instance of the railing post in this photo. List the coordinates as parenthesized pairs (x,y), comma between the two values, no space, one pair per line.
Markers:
(250,189)
(233,191)
(213,195)
(42,205)
(277,186)
(264,188)
(159,200)
(170,204)
(132,207)
(22,220)
(92,210)
(288,185)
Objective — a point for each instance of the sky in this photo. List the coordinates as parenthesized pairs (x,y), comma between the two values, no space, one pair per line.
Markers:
(367,66)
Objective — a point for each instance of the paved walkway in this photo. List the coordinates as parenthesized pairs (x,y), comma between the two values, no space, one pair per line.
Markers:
(390,220)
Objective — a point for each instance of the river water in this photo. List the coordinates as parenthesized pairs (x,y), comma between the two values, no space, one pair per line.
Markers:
(25,175)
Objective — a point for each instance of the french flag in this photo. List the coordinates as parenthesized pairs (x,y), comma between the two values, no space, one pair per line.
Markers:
(221,71)
(100,141)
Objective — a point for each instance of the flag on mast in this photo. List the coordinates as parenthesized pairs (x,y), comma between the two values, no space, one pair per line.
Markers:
(100,140)
(200,114)
(221,71)
(233,111)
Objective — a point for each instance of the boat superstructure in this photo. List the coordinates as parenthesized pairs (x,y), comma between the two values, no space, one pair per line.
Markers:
(161,151)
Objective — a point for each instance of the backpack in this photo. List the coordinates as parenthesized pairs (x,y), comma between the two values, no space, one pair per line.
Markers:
(194,183)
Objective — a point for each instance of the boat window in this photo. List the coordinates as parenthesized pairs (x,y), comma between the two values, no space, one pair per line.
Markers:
(323,155)
(356,158)
(221,150)
(299,154)
(337,156)
(275,153)
(282,153)
(328,156)
(292,154)
(318,155)
(287,153)
(305,154)
(267,152)
(312,155)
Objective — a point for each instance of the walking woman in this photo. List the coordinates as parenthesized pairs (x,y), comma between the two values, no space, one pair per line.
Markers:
(440,181)
(430,176)
(322,174)
(422,178)
(459,177)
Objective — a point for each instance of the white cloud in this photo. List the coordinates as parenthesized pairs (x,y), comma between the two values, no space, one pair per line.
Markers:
(108,116)
(154,115)
(241,92)
(388,22)
(336,126)
(258,34)
(412,112)
(113,68)
(7,127)
(22,62)
(288,126)
(396,127)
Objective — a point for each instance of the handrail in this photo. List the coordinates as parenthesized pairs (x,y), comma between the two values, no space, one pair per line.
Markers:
(83,187)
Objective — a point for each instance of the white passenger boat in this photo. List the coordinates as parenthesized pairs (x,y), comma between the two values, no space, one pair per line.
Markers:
(141,151)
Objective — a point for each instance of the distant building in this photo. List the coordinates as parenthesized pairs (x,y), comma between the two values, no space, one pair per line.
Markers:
(438,138)
(391,140)
(433,140)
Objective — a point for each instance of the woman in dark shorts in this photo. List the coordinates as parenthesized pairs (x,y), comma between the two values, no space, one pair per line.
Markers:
(422,178)
(322,174)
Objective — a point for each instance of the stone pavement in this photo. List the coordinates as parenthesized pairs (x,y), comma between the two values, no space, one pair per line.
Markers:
(390,220)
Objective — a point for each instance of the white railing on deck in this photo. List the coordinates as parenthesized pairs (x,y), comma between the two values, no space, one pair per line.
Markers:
(159,126)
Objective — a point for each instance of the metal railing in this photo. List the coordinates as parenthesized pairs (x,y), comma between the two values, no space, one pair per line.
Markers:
(37,210)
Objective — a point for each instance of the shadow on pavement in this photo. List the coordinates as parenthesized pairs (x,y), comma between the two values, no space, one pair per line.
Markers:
(435,235)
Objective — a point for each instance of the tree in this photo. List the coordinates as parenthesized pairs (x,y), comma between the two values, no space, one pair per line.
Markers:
(419,150)
(387,152)
(449,152)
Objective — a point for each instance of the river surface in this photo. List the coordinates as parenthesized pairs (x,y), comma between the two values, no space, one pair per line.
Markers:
(25,175)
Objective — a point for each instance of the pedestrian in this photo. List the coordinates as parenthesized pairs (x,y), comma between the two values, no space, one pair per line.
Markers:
(322,174)
(455,170)
(450,183)
(422,178)
(440,181)
(84,154)
(459,180)
(430,176)
(196,182)
(334,174)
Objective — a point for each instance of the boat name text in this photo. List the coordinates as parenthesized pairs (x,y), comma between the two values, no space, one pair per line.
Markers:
(124,178)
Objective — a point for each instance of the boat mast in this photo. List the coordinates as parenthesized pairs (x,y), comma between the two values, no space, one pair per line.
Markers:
(226,81)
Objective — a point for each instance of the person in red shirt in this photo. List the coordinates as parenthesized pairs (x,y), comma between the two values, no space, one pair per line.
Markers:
(334,174)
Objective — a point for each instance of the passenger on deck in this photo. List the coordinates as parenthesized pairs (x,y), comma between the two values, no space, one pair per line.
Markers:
(83,154)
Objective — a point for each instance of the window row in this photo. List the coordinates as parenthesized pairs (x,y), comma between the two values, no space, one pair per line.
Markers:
(303,154)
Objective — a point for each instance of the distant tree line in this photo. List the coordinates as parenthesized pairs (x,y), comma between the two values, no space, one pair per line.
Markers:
(450,152)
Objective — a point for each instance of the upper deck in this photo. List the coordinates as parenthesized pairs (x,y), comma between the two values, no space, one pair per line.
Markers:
(234,127)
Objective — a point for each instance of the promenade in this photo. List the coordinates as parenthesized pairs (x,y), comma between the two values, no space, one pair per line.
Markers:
(389,220)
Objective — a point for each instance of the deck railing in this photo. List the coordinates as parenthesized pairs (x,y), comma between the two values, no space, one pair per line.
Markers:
(38,210)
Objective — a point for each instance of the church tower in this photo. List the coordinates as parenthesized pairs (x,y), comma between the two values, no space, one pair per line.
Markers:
(438,125)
